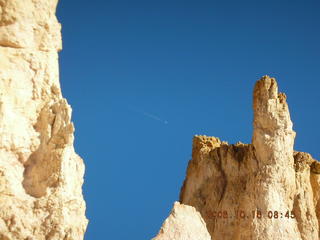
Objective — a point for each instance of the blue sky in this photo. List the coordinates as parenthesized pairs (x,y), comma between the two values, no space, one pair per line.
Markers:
(143,77)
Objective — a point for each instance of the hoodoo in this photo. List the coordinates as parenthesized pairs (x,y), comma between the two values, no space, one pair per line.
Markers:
(41,176)
(264,190)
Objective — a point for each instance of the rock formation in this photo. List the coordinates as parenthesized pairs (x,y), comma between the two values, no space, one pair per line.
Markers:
(184,223)
(40,174)
(264,190)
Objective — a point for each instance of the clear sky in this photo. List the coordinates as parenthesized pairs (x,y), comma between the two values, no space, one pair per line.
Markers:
(143,77)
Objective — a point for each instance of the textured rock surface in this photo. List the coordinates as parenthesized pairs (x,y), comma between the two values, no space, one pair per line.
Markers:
(263,190)
(184,223)
(40,174)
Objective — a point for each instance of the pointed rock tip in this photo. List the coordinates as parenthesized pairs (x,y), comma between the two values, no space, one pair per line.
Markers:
(266,88)
(271,111)
(183,223)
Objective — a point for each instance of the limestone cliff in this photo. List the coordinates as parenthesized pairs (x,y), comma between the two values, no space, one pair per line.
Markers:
(41,176)
(264,190)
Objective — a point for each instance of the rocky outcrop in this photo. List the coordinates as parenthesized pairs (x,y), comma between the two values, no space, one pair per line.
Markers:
(264,190)
(184,223)
(41,176)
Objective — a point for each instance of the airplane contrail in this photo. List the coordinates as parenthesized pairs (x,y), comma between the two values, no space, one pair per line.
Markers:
(150,115)
(155,117)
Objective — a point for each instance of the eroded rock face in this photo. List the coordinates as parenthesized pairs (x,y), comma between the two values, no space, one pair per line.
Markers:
(263,190)
(184,223)
(41,176)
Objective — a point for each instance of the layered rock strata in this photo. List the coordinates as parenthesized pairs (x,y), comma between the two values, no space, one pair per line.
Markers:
(41,176)
(264,190)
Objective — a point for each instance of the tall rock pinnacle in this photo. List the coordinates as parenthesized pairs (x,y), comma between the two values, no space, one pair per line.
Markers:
(273,137)
(264,190)
(41,176)
(274,179)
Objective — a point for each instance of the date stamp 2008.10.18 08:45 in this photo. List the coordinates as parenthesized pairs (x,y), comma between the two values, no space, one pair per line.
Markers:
(255,214)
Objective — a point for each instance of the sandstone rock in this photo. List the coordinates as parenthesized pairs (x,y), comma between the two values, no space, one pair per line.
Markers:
(262,190)
(41,176)
(184,223)
(29,24)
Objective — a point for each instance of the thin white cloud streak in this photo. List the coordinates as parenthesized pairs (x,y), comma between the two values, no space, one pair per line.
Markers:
(150,115)
(155,117)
